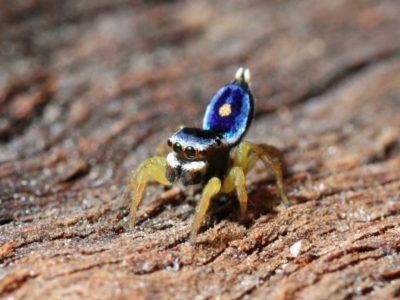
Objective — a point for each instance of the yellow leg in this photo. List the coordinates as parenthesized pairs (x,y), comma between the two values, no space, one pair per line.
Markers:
(155,167)
(245,158)
(236,180)
(272,158)
(212,187)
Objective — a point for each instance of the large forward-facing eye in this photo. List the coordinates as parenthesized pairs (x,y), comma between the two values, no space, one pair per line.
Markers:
(190,152)
(177,148)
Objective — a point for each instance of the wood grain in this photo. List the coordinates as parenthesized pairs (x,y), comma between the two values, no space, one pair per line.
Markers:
(89,88)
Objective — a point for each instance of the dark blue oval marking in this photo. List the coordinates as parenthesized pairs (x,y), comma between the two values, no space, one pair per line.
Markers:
(229,112)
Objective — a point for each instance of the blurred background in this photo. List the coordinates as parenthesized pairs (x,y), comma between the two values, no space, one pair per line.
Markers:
(88,89)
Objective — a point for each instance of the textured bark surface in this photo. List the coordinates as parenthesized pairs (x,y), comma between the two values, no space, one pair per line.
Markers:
(89,89)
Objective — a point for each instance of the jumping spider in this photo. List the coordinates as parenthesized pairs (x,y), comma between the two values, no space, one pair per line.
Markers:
(203,155)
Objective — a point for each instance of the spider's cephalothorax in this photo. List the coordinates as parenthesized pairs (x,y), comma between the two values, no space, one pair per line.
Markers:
(197,155)
(203,155)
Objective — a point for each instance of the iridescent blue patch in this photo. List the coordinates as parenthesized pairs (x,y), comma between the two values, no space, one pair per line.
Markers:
(230,112)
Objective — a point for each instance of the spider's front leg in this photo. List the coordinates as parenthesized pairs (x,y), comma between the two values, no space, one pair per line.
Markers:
(212,188)
(247,155)
(154,167)
(234,180)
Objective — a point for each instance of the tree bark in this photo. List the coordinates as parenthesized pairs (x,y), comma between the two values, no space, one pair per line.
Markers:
(88,91)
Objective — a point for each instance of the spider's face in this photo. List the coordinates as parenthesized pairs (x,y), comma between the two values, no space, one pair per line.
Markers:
(193,155)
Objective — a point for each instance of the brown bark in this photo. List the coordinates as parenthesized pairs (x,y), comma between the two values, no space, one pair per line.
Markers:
(89,89)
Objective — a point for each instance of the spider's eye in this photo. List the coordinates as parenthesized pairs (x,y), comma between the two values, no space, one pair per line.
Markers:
(203,153)
(177,148)
(190,152)
(169,143)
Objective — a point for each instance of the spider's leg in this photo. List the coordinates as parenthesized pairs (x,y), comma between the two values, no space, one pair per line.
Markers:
(236,180)
(211,188)
(155,167)
(245,158)
(272,158)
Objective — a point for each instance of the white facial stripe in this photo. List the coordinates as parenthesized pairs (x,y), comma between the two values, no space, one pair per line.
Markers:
(172,161)
(194,166)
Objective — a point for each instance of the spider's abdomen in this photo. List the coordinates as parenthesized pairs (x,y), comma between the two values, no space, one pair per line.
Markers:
(231,110)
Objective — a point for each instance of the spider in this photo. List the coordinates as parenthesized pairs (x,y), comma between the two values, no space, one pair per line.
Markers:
(204,155)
